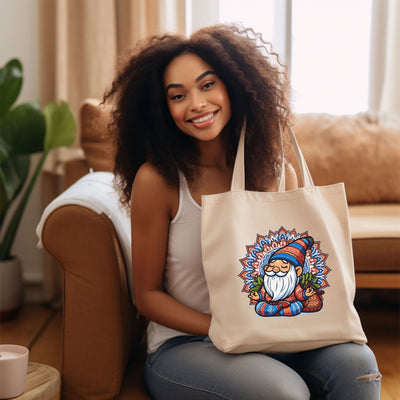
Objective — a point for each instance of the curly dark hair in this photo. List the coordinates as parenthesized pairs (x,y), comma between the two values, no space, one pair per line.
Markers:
(145,131)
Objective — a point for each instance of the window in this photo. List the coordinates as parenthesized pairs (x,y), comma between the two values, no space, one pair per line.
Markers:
(257,14)
(326,48)
(330,55)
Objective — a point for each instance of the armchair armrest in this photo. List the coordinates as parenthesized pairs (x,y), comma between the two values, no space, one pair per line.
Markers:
(100,324)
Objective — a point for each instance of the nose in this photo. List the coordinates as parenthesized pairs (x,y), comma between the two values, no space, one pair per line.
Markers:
(198,101)
(273,268)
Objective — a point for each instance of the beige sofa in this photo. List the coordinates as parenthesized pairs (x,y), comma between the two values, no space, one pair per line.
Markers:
(102,350)
(365,156)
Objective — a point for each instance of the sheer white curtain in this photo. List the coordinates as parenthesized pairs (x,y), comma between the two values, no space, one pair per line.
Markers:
(384,94)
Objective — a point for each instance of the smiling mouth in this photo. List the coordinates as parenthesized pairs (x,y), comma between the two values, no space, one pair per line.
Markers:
(203,119)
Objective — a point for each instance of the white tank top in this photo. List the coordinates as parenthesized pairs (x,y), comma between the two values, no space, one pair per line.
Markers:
(183,276)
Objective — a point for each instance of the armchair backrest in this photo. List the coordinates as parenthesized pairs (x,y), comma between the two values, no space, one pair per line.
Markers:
(96,141)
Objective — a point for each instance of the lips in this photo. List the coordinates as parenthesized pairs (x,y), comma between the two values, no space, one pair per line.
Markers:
(204,120)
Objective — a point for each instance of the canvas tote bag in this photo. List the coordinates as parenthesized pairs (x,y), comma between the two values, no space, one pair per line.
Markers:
(279,265)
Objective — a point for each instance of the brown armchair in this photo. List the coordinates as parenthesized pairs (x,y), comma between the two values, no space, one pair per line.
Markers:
(103,348)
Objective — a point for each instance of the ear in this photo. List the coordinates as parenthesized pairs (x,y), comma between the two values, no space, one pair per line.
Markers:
(299,270)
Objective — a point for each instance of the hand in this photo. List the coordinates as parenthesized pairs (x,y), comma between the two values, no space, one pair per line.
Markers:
(254,296)
(310,292)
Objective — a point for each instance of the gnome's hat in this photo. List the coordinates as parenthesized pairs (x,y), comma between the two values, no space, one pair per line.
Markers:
(294,252)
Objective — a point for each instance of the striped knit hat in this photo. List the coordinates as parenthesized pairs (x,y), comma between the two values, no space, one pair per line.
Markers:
(294,252)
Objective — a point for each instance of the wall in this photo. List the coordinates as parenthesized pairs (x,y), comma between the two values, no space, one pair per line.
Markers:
(19,38)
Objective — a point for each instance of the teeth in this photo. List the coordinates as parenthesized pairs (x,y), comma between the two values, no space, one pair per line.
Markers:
(203,119)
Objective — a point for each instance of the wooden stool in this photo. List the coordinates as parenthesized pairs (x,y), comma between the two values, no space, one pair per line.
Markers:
(42,383)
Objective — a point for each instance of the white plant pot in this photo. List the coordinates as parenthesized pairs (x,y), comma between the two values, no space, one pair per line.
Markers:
(11,288)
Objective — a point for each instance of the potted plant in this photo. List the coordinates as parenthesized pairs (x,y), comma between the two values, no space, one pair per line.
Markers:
(24,129)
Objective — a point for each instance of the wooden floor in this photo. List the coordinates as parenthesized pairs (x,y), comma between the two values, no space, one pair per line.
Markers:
(39,329)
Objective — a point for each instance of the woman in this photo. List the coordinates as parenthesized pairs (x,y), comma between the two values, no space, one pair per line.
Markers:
(179,107)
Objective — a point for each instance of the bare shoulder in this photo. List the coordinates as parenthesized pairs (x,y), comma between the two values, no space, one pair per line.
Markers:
(148,176)
(150,191)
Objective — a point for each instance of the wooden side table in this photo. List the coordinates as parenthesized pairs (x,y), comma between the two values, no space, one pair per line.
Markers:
(42,383)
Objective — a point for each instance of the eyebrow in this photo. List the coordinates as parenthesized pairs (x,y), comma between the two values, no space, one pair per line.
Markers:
(198,79)
(203,75)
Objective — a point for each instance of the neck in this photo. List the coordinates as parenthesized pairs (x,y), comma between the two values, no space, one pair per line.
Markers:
(213,153)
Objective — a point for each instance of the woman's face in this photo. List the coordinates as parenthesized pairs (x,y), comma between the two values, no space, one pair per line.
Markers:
(197,99)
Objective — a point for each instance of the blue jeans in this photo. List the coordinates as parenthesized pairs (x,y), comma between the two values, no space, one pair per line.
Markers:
(192,368)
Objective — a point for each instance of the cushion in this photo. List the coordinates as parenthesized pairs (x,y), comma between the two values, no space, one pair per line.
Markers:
(353,149)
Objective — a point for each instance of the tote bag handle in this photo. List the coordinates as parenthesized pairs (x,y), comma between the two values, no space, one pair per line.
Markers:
(238,177)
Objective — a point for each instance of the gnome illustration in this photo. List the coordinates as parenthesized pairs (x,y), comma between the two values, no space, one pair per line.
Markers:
(284,295)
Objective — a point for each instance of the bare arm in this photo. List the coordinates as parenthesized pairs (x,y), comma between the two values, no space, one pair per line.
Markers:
(291,177)
(151,210)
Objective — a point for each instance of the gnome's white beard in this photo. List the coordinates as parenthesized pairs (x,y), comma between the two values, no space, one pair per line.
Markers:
(278,286)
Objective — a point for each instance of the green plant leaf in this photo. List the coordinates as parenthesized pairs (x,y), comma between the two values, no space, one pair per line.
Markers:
(255,288)
(10,232)
(13,173)
(10,84)
(60,125)
(257,284)
(4,149)
(23,129)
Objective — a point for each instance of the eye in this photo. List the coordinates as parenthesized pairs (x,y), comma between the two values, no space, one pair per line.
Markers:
(176,97)
(207,85)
